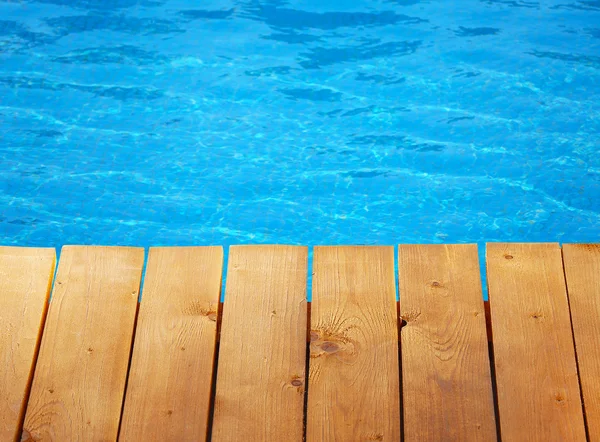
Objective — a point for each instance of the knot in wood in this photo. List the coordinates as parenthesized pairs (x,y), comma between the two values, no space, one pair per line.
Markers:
(330,347)
(26,436)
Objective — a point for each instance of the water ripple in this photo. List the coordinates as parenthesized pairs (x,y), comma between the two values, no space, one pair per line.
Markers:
(380,79)
(397,141)
(73,24)
(318,57)
(587,60)
(475,32)
(582,5)
(312,94)
(273,120)
(281,18)
(16,36)
(292,38)
(440,179)
(514,3)
(407,2)
(123,93)
(122,54)
(196,14)
(271,71)
(100,4)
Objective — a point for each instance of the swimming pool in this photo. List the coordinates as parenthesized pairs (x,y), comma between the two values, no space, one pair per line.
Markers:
(150,122)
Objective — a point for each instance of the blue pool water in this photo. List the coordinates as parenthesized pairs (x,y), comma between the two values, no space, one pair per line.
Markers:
(163,122)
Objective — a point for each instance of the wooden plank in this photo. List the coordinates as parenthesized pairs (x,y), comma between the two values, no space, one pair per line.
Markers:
(582,269)
(536,372)
(169,386)
(446,381)
(25,281)
(354,383)
(80,376)
(262,355)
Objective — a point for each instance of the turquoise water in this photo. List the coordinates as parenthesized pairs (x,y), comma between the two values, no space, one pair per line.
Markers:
(304,122)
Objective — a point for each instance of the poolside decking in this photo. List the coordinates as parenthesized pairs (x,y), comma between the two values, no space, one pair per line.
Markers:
(94,364)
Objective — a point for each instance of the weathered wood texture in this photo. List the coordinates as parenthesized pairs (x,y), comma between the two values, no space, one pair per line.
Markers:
(536,372)
(447,386)
(79,380)
(169,386)
(262,356)
(543,321)
(582,269)
(354,390)
(25,281)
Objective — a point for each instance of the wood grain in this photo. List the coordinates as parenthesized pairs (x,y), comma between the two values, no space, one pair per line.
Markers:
(354,383)
(169,386)
(80,375)
(25,281)
(582,270)
(262,356)
(536,372)
(447,387)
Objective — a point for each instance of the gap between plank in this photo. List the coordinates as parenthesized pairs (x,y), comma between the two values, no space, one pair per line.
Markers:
(213,391)
(492,359)
(135,321)
(399,322)
(137,310)
(215,370)
(37,346)
(585,421)
(306,371)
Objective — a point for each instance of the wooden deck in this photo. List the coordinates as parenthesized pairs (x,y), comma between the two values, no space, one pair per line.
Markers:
(94,364)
